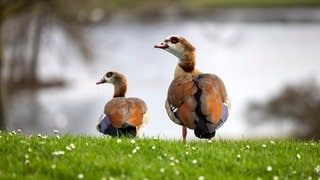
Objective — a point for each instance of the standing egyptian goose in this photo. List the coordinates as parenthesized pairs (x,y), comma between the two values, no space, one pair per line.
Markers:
(195,100)
(123,116)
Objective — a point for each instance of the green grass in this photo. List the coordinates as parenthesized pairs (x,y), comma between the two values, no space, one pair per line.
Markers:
(87,157)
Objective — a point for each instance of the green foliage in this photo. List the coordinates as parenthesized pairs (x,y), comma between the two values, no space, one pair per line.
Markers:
(140,6)
(251,3)
(87,157)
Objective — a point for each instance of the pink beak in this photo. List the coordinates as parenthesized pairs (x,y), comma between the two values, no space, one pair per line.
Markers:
(101,81)
(162,45)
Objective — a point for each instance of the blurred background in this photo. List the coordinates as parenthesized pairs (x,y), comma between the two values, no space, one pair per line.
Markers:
(53,51)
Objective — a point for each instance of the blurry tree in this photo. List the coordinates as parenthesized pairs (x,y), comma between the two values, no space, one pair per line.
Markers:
(7,8)
(22,27)
(296,103)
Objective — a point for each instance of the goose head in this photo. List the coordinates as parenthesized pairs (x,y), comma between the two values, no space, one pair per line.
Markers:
(118,80)
(176,45)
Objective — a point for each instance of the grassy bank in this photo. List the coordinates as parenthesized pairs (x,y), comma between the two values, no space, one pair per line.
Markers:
(85,157)
(147,7)
(251,3)
(147,4)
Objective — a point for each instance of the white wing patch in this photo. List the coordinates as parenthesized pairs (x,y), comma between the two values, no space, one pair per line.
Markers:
(170,112)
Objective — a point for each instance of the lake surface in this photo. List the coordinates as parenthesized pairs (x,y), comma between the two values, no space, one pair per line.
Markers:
(254,58)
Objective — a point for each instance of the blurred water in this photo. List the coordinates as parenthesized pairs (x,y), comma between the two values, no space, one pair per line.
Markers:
(255,60)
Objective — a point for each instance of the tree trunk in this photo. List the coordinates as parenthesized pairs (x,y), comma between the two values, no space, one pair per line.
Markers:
(3,120)
(39,23)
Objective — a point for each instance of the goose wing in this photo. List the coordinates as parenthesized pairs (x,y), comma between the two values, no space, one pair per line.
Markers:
(197,101)
(125,111)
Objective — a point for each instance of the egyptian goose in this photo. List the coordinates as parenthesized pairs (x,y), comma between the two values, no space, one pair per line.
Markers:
(195,100)
(123,116)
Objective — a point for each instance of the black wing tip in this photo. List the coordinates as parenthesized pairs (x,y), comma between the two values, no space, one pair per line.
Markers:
(129,131)
(204,135)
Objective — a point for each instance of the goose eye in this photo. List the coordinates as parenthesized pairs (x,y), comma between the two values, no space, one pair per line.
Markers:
(174,40)
(109,74)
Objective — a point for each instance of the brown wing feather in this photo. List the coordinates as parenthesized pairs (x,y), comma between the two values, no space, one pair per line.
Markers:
(180,95)
(213,96)
(117,110)
(137,109)
(125,110)
(187,114)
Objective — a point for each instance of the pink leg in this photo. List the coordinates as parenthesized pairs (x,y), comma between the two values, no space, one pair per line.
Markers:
(184,133)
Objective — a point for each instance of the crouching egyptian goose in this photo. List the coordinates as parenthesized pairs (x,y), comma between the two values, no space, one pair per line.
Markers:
(123,116)
(195,100)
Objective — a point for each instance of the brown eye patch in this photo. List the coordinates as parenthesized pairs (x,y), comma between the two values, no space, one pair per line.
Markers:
(109,74)
(174,40)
